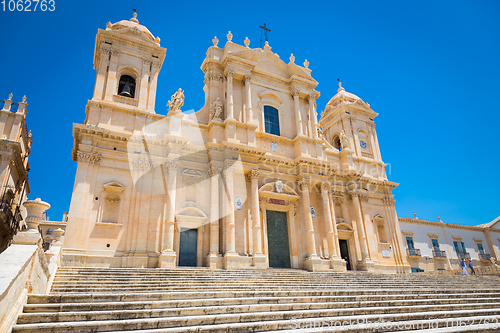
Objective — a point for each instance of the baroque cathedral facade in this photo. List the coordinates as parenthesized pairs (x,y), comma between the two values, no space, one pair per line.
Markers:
(251,180)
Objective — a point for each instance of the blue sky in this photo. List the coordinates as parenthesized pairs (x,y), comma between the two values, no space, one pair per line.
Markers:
(429,68)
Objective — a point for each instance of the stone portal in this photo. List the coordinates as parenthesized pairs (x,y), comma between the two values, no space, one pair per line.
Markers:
(277,238)
(344,253)
(188,247)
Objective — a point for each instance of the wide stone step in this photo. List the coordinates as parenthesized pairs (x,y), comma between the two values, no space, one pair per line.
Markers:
(273,320)
(366,324)
(402,306)
(218,288)
(137,305)
(125,297)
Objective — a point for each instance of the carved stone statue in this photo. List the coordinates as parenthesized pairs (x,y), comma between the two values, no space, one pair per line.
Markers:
(344,140)
(320,133)
(217,109)
(176,101)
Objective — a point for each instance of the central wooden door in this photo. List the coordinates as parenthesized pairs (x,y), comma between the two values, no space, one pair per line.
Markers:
(277,239)
(188,247)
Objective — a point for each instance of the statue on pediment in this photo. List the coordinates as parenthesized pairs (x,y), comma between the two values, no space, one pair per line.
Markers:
(344,140)
(217,109)
(176,101)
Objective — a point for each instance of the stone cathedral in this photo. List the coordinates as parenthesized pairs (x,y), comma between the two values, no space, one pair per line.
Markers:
(250,181)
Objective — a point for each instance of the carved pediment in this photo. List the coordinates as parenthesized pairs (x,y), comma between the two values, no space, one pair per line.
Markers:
(192,175)
(114,187)
(278,189)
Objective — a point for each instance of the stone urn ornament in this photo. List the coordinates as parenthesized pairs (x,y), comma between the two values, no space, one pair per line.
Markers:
(34,209)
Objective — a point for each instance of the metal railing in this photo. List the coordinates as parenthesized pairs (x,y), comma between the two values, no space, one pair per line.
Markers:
(485,256)
(414,252)
(463,255)
(12,219)
(439,254)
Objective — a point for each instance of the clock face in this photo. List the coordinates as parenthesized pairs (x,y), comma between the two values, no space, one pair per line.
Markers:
(362,144)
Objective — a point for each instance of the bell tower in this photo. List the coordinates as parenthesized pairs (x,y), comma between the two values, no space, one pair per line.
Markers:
(348,125)
(127,59)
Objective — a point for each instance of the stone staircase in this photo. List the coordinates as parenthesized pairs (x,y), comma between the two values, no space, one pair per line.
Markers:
(204,300)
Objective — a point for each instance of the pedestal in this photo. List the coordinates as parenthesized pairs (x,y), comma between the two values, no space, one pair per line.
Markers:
(214,261)
(167,260)
(313,264)
(27,237)
(259,261)
(231,261)
(365,265)
(338,265)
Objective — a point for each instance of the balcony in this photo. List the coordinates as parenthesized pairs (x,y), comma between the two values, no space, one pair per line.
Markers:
(439,254)
(463,255)
(484,256)
(10,220)
(413,252)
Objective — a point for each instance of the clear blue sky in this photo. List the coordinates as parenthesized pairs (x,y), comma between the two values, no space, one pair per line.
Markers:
(429,68)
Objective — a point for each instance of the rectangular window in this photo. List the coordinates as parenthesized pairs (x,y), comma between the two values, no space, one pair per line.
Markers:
(480,248)
(409,242)
(435,245)
(271,119)
(463,247)
(455,244)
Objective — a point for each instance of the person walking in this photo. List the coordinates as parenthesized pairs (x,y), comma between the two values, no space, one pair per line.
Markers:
(464,267)
(471,266)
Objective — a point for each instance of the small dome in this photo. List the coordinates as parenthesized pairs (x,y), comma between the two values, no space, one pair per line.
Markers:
(132,23)
(342,95)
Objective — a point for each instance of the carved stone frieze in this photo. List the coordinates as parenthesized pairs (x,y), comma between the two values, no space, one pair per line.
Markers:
(90,158)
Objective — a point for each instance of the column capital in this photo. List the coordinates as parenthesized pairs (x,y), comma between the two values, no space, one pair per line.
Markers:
(229,74)
(389,201)
(171,166)
(354,194)
(304,183)
(214,171)
(247,78)
(295,93)
(311,97)
(253,175)
(228,171)
(324,186)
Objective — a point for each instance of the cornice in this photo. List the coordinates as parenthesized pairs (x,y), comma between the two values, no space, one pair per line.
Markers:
(441,224)
(124,108)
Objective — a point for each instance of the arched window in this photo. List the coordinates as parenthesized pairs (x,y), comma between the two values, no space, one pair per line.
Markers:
(336,142)
(272,120)
(126,86)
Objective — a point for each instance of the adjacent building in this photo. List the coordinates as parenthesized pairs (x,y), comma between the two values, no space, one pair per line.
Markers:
(15,148)
(435,245)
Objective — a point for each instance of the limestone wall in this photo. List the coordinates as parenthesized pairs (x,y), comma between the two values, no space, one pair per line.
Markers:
(25,270)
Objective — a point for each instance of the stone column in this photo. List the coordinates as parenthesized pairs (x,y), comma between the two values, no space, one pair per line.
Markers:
(298,117)
(334,223)
(257,232)
(365,257)
(230,225)
(259,259)
(214,211)
(168,256)
(229,90)
(306,204)
(230,256)
(312,262)
(313,116)
(248,92)
(327,218)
